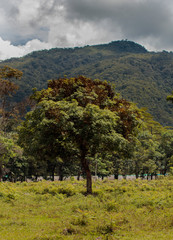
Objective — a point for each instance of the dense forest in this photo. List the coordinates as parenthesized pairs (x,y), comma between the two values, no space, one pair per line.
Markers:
(145,78)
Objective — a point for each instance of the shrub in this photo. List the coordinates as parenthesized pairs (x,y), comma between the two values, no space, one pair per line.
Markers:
(112,206)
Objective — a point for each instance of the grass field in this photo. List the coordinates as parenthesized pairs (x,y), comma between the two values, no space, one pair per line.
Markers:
(124,209)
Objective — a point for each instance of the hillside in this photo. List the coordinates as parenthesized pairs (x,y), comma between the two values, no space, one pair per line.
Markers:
(140,76)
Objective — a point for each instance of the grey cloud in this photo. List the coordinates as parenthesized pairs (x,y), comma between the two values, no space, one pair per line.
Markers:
(11,10)
(78,22)
(133,17)
(137,20)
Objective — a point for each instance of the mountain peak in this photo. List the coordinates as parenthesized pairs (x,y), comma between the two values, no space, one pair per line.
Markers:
(124,46)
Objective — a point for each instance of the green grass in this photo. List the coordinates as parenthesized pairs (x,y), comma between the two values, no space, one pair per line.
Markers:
(130,210)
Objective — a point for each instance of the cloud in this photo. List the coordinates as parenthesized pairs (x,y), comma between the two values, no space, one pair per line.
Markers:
(138,20)
(32,25)
(7,50)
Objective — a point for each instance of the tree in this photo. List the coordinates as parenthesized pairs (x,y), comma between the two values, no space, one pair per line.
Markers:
(166,147)
(78,117)
(8,150)
(146,155)
(7,89)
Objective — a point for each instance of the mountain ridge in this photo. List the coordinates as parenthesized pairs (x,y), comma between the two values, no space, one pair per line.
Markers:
(143,77)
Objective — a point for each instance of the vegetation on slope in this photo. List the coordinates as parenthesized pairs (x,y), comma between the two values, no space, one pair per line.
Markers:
(140,76)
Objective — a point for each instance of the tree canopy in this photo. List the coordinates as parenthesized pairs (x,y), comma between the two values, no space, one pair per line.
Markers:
(75,119)
(7,89)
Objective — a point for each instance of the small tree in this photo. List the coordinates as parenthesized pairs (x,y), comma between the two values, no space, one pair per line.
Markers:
(8,150)
(166,147)
(7,89)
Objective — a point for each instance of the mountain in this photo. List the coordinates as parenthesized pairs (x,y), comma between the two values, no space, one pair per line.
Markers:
(143,77)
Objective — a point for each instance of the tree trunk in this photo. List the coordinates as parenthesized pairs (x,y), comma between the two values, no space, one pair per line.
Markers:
(61,174)
(89,181)
(53,173)
(53,176)
(137,175)
(61,177)
(116,175)
(86,168)
(78,176)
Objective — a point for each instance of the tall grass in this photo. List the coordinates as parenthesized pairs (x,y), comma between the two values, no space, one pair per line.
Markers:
(125,209)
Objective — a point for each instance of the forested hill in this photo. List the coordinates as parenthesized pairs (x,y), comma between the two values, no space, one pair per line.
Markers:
(140,76)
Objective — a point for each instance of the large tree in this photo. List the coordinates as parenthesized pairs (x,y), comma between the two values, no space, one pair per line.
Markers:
(78,118)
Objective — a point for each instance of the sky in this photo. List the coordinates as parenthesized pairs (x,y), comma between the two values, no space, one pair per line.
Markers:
(31,25)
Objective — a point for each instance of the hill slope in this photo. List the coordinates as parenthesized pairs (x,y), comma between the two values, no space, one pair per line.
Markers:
(140,76)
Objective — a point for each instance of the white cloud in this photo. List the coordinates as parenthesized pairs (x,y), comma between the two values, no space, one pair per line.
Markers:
(34,45)
(7,50)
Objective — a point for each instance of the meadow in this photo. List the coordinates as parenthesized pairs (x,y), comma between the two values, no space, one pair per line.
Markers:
(118,209)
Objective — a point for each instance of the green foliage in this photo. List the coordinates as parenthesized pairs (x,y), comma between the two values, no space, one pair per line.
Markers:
(11,160)
(7,148)
(8,111)
(77,118)
(166,146)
